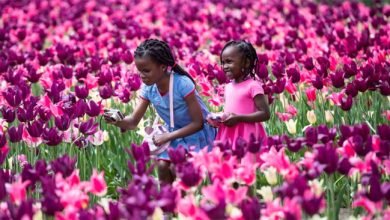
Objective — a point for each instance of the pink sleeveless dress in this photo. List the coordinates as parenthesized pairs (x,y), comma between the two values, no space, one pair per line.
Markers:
(239,100)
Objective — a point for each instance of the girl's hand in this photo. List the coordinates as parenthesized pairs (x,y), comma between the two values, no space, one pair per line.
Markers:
(231,120)
(109,120)
(160,139)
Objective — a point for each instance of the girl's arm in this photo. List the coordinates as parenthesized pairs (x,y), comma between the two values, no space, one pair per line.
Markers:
(131,122)
(196,124)
(196,117)
(262,113)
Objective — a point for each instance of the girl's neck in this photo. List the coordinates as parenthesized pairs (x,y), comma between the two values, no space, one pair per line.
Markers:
(241,78)
(163,84)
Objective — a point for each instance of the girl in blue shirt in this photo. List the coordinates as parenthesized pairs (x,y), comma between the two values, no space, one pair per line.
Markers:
(152,59)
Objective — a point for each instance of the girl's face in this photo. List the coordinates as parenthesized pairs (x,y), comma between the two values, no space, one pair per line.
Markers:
(232,63)
(150,71)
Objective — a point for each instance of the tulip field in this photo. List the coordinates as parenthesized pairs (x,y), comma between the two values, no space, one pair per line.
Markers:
(324,65)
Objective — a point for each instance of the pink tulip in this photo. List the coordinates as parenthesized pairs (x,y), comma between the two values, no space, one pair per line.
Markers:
(284,116)
(292,110)
(386,114)
(311,94)
(97,184)
(188,208)
(17,190)
(370,206)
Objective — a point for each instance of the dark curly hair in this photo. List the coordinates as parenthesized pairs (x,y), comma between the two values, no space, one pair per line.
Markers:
(248,52)
(160,52)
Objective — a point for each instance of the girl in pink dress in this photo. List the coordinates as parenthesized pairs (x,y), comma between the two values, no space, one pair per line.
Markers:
(246,106)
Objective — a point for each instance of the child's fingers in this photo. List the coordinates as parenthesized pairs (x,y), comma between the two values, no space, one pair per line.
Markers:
(108,120)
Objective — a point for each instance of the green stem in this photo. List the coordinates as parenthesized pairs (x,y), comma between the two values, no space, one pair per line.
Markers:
(330,198)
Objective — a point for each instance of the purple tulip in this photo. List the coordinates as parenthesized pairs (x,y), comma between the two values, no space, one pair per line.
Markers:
(44,114)
(51,203)
(34,174)
(324,62)
(263,71)
(63,52)
(8,114)
(81,142)
(80,108)
(3,140)
(317,82)
(3,66)
(25,115)
(384,88)
(294,75)
(32,75)
(3,191)
(312,205)
(87,214)
(375,193)
(322,71)
(124,96)
(350,69)
(278,70)
(325,135)
(55,91)
(43,59)
(167,196)
(308,64)
(15,134)
(114,211)
(297,187)
(240,148)
(67,72)
(23,210)
(106,91)
(385,187)
(337,79)
(315,171)
(13,96)
(35,129)
(140,153)
(96,63)
(254,145)
(81,91)
(81,73)
(134,82)
(88,127)
(62,122)
(346,103)
(351,90)
(14,76)
(250,209)
(361,147)
(188,174)
(114,57)
(64,165)
(295,145)
(289,58)
(344,166)
(279,86)
(384,132)
(215,211)
(361,84)
(127,57)
(368,70)
(93,109)
(51,137)
(25,89)
(327,155)
(263,58)
(178,155)
(3,150)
